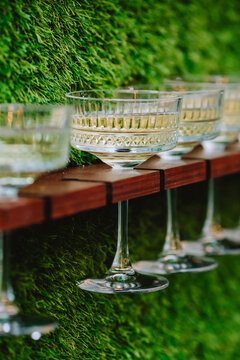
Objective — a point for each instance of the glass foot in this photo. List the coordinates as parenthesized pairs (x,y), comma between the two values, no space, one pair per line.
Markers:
(21,325)
(178,151)
(122,165)
(170,264)
(193,248)
(224,246)
(124,283)
(232,234)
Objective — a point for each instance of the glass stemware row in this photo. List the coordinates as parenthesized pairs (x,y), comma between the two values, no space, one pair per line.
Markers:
(123,128)
(200,119)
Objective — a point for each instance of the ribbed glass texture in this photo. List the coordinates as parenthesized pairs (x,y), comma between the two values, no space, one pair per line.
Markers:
(231,106)
(202,111)
(124,128)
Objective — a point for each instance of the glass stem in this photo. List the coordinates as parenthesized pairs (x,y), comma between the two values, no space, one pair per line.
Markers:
(172,243)
(121,262)
(7,306)
(211,224)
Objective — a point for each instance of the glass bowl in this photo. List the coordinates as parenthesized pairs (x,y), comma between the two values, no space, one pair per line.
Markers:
(123,128)
(231,107)
(201,117)
(33,139)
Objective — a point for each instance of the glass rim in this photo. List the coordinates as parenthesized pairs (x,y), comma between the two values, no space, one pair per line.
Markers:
(171,98)
(184,92)
(211,85)
(193,92)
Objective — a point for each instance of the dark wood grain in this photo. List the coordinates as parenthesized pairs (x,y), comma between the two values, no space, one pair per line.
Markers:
(20,212)
(67,197)
(176,173)
(121,184)
(219,162)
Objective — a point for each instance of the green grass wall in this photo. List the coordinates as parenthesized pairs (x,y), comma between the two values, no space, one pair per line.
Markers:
(46,46)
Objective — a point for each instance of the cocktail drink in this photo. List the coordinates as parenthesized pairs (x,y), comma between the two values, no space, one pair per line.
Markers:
(33,139)
(200,120)
(124,128)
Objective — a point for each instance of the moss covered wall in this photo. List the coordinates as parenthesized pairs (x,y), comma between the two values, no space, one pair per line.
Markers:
(45,47)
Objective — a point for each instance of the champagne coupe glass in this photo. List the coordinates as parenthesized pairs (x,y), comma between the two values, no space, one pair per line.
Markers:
(200,120)
(124,128)
(214,239)
(33,139)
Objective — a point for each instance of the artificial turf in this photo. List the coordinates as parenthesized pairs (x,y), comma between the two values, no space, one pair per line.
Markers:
(46,48)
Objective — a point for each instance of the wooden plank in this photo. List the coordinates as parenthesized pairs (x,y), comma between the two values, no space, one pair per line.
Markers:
(219,163)
(225,165)
(68,191)
(20,212)
(121,184)
(67,197)
(176,173)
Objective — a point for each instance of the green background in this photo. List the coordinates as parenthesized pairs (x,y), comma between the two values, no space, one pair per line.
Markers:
(47,46)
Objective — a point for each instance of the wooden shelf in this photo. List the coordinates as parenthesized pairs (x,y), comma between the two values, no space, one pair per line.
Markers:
(68,191)
(218,163)
(121,184)
(21,212)
(178,172)
(64,198)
